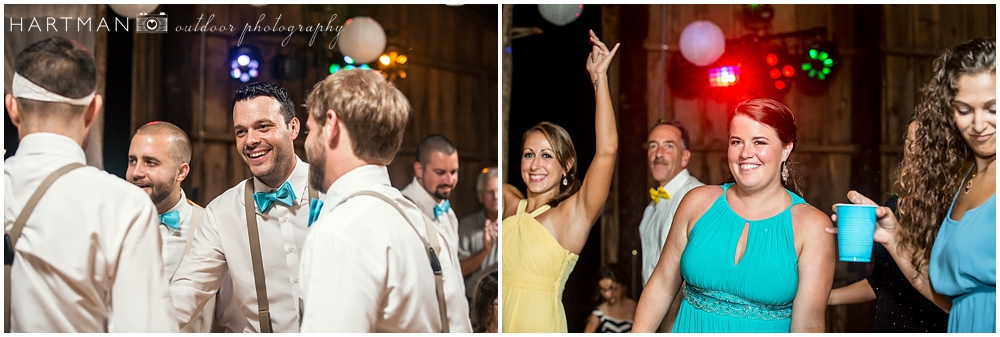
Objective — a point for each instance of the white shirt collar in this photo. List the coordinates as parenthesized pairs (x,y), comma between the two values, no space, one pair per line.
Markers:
(299,179)
(358,179)
(183,209)
(51,143)
(675,184)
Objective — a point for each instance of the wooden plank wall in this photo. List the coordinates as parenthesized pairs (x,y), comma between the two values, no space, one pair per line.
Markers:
(451,83)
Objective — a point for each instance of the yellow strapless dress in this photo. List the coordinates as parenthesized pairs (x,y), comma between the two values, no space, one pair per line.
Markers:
(535,268)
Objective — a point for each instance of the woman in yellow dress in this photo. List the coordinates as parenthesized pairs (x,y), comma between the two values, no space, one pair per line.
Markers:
(543,234)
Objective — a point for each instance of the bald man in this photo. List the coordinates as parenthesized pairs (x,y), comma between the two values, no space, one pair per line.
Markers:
(158,161)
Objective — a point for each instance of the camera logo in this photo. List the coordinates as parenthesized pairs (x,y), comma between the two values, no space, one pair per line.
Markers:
(151,23)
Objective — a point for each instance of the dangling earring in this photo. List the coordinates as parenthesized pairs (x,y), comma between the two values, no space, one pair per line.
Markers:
(784,171)
(565,182)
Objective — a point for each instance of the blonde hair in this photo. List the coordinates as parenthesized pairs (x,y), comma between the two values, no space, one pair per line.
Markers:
(373,110)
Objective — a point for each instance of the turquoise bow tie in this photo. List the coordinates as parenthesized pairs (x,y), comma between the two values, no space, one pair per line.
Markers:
(171,219)
(315,205)
(443,208)
(265,200)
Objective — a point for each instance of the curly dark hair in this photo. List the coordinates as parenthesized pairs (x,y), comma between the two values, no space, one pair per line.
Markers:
(616,273)
(482,310)
(938,153)
(253,90)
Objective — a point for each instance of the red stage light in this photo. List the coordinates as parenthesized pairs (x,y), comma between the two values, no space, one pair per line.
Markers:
(788,71)
(780,85)
(771,59)
(775,73)
(723,76)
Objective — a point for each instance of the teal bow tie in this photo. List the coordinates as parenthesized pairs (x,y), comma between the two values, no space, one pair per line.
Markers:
(171,219)
(442,209)
(265,200)
(315,205)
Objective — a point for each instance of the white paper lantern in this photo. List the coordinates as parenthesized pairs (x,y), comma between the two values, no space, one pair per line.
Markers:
(363,39)
(702,43)
(131,11)
(560,14)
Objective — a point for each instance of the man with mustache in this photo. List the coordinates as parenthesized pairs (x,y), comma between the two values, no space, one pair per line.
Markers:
(477,232)
(435,176)
(668,154)
(367,265)
(261,253)
(158,161)
(88,258)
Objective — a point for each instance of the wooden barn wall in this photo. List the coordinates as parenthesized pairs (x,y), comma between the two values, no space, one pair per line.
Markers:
(828,148)
(452,83)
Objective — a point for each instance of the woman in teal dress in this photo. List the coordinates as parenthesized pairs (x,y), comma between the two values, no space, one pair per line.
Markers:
(945,238)
(749,255)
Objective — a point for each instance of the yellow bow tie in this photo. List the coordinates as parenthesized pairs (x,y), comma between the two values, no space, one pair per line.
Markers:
(658,193)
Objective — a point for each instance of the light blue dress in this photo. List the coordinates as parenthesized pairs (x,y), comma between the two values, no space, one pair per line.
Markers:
(754,295)
(963,267)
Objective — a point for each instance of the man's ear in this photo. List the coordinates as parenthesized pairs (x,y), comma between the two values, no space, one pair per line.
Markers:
(90,115)
(685,159)
(294,127)
(12,110)
(332,128)
(182,172)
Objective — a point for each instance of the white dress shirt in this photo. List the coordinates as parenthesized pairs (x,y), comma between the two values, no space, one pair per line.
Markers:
(364,268)
(447,227)
(221,242)
(174,242)
(88,259)
(470,242)
(657,217)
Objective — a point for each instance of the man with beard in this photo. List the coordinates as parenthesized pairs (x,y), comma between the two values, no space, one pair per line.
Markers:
(668,154)
(88,259)
(158,161)
(369,263)
(264,250)
(435,175)
(477,233)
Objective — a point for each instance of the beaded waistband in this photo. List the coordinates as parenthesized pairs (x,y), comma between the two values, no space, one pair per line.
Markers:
(726,304)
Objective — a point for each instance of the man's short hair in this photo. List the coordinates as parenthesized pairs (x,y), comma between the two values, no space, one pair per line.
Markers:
(685,138)
(61,66)
(431,143)
(253,90)
(372,109)
(180,144)
(488,173)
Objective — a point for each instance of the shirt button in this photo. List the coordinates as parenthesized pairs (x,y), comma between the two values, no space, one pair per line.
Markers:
(291,250)
(284,219)
(296,281)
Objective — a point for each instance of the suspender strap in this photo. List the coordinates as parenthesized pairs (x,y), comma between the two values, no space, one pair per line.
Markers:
(429,247)
(15,233)
(258,266)
(313,193)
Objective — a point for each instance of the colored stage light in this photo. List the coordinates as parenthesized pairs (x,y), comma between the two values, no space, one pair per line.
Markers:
(244,63)
(724,76)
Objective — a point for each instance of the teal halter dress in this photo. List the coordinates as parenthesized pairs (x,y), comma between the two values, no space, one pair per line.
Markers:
(754,295)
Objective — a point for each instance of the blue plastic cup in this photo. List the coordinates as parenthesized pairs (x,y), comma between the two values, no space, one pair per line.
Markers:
(855,230)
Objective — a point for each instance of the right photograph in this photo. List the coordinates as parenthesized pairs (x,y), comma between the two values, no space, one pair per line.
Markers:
(748,168)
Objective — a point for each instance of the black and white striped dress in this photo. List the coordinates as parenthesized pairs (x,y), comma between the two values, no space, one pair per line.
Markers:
(611,324)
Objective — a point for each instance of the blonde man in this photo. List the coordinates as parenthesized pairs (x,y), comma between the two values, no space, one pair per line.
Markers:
(365,267)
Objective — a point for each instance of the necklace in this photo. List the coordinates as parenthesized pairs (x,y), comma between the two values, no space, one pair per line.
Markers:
(969,184)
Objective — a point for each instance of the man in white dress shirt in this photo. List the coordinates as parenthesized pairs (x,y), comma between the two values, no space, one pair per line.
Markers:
(265,126)
(365,267)
(668,154)
(158,161)
(435,176)
(88,258)
(477,233)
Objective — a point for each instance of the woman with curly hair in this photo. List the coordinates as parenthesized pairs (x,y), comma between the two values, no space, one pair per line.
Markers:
(484,304)
(543,234)
(949,253)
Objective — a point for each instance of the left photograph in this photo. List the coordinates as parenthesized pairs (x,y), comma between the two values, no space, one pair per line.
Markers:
(251,168)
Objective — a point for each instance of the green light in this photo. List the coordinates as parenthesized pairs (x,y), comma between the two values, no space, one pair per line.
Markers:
(334,68)
(824,56)
(806,66)
(813,54)
(364,66)
(822,77)
(826,71)
(812,73)
(828,62)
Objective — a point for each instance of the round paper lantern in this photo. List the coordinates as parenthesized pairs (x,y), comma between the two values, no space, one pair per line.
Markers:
(702,43)
(363,39)
(131,11)
(560,14)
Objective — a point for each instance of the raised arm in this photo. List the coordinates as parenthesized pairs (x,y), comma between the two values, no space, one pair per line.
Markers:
(886,233)
(817,258)
(589,202)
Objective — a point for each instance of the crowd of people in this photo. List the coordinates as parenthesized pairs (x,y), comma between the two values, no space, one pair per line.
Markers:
(282,251)
(751,255)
